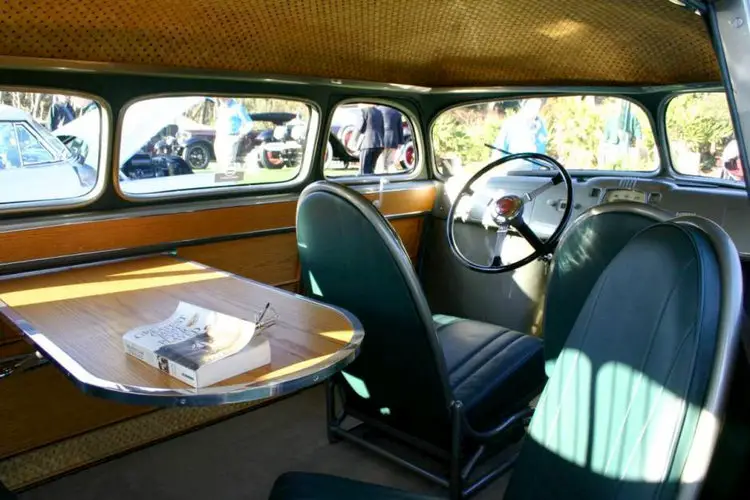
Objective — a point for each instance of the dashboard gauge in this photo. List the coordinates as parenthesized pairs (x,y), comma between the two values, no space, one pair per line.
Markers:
(625,195)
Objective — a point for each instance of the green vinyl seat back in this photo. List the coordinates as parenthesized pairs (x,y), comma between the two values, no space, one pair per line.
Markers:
(633,403)
(586,248)
(351,257)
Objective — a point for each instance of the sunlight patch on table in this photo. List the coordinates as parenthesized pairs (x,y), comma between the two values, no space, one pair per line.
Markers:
(44,295)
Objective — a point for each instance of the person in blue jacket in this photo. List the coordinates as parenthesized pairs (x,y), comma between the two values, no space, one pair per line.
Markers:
(524,132)
(232,123)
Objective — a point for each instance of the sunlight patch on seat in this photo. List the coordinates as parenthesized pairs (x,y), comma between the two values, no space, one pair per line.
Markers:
(357,384)
(636,425)
(621,424)
(314,285)
(565,405)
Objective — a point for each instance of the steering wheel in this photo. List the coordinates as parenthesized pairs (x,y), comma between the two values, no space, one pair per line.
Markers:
(507,212)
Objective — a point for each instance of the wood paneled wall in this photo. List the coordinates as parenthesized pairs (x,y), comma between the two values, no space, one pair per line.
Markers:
(41,406)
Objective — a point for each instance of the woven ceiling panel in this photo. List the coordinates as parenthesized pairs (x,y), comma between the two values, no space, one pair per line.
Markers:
(420,42)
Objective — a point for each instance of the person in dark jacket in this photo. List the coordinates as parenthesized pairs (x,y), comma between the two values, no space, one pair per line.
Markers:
(393,136)
(372,130)
(61,112)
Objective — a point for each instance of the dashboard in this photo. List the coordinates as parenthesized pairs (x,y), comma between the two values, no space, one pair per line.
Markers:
(727,207)
(625,195)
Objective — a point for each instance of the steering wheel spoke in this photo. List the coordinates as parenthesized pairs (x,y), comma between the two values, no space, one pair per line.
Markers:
(544,187)
(520,225)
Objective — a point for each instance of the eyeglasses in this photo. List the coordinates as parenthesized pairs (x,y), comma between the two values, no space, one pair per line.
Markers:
(266,317)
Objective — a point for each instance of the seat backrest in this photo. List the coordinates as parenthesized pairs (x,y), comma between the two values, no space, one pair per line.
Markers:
(351,257)
(586,248)
(634,402)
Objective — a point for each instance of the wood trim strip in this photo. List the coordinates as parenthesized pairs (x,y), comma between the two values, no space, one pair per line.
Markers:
(117,234)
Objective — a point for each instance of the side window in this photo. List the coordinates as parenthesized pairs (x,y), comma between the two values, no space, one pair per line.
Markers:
(701,137)
(10,156)
(370,139)
(582,132)
(173,144)
(32,151)
(50,147)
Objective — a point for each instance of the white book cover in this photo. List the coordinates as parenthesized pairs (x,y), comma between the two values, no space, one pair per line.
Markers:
(199,346)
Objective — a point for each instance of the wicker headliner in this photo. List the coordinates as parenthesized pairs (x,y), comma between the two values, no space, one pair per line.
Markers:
(431,43)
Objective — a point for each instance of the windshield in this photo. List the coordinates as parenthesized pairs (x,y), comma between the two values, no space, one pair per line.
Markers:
(590,133)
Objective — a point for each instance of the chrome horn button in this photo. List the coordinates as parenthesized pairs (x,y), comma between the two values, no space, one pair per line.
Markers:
(507,208)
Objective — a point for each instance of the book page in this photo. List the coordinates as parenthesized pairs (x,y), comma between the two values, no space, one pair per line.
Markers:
(193,336)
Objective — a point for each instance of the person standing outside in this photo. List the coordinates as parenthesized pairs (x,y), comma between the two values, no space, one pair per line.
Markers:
(232,123)
(524,132)
(61,112)
(393,136)
(372,130)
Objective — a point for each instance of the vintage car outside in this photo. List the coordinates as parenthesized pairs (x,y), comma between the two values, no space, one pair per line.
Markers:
(35,164)
(275,141)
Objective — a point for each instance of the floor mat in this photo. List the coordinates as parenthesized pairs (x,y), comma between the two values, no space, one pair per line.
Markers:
(239,459)
(41,464)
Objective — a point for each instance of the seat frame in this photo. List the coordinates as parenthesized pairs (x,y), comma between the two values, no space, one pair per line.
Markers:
(458,479)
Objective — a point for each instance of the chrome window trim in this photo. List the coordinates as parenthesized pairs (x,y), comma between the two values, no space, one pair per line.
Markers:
(104,155)
(77,66)
(509,93)
(299,178)
(373,178)
(186,207)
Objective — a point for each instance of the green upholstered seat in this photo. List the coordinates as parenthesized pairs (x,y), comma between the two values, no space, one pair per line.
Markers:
(413,369)
(634,401)
(586,248)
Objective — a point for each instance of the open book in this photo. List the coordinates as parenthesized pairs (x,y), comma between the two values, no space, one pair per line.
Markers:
(199,346)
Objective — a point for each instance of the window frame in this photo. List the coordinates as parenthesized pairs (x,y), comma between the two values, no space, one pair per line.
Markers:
(102,173)
(313,132)
(417,138)
(673,172)
(583,173)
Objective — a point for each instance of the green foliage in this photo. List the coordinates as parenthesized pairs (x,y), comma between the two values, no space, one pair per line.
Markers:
(465,132)
(701,120)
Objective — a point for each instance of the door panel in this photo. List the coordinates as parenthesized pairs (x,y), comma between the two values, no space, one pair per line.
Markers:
(129,230)
(232,238)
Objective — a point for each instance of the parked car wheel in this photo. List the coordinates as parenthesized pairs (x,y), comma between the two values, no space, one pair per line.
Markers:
(272,159)
(408,156)
(350,139)
(198,155)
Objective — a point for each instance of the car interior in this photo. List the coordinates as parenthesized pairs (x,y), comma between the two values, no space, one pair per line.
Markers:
(496,249)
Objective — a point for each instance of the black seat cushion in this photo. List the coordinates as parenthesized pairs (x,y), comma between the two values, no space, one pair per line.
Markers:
(309,486)
(492,370)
